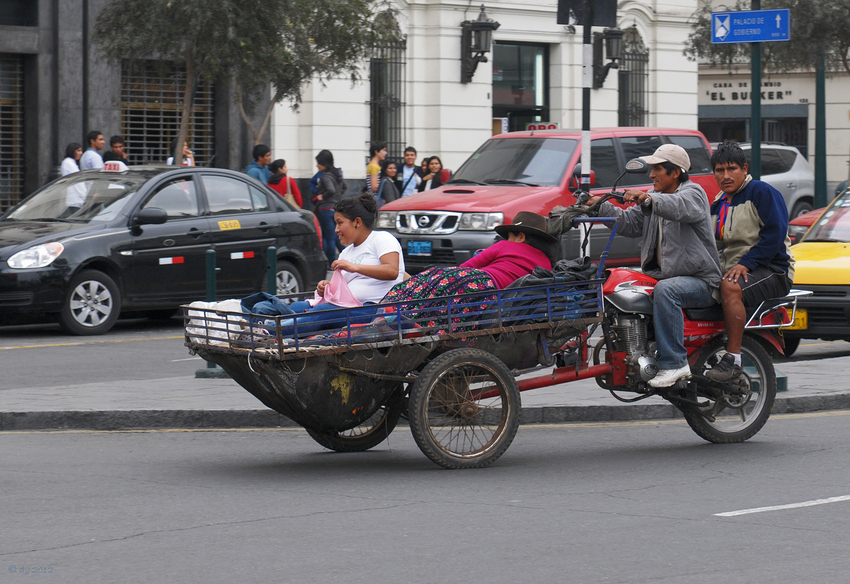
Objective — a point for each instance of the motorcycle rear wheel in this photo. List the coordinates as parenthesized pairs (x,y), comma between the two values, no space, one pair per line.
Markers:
(736,424)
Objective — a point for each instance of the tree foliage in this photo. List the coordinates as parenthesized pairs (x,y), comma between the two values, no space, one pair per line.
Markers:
(818,27)
(313,39)
(254,43)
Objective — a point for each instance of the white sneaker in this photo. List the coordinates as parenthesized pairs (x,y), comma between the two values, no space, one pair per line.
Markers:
(667,377)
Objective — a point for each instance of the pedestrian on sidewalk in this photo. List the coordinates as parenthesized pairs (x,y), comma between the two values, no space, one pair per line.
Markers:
(116,152)
(91,158)
(71,164)
(284,184)
(410,178)
(259,169)
(330,190)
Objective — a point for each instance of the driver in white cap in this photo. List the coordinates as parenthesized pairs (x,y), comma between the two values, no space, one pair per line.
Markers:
(679,250)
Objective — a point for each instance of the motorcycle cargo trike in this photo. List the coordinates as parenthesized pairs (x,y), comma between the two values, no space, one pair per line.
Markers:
(450,365)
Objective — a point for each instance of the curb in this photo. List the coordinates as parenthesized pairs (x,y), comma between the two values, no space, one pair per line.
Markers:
(118,420)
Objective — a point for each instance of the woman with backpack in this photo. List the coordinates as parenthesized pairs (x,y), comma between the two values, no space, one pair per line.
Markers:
(330,190)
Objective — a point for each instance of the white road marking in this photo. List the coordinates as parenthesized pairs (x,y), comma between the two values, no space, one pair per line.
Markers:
(784,507)
(188,359)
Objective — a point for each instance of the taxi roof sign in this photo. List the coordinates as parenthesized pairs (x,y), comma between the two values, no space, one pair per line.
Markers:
(114,166)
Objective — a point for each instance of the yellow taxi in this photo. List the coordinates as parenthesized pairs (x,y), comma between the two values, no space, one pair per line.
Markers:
(823,267)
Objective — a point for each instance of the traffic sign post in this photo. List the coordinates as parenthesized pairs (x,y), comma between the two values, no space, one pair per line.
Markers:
(750,26)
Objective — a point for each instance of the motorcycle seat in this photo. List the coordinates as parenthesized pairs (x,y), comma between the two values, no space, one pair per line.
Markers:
(713,313)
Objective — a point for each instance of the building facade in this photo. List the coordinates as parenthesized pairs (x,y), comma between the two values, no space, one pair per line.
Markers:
(788,112)
(55,87)
(411,93)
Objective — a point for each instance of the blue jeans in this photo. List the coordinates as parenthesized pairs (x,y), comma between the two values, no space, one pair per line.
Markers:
(669,297)
(330,241)
(318,318)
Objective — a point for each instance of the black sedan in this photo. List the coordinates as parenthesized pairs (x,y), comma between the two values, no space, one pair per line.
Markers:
(91,245)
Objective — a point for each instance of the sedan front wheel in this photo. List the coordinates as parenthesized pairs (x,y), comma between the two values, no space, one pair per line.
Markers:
(92,305)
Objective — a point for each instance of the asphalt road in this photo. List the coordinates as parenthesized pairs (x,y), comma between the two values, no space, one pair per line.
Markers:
(44,355)
(614,503)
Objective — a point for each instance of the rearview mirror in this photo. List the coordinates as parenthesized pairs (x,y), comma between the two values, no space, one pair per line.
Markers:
(150,216)
(636,166)
(575,179)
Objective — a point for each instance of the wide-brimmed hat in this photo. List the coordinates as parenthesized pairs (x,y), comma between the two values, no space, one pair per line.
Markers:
(528,223)
(670,153)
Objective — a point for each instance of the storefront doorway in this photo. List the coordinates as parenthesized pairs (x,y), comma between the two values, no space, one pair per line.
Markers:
(520,83)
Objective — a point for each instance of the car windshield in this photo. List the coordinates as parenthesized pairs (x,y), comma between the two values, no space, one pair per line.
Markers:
(79,198)
(518,161)
(834,224)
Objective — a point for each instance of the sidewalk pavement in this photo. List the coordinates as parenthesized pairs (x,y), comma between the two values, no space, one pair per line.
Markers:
(188,402)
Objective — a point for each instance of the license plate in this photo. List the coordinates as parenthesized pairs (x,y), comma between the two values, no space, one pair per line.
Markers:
(419,248)
(801,321)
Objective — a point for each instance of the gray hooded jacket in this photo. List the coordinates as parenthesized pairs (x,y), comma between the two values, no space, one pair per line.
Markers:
(688,247)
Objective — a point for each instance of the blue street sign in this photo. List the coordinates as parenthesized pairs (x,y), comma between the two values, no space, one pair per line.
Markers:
(750,26)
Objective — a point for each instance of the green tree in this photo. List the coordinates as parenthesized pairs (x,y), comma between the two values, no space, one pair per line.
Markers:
(818,27)
(314,40)
(283,42)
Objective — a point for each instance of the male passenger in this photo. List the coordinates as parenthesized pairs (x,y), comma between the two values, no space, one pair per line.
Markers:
(678,249)
(259,169)
(410,178)
(91,157)
(751,227)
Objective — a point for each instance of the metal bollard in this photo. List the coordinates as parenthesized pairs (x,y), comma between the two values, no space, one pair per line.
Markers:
(212,370)
(271,266)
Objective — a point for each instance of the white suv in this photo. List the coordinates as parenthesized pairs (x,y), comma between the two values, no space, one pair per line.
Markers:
(786,170)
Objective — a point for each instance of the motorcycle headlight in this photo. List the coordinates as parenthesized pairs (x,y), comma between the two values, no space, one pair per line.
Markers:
(36,257)
(481,221)
(386,220)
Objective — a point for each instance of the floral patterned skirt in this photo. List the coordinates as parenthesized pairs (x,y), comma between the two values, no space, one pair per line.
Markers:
(438,282)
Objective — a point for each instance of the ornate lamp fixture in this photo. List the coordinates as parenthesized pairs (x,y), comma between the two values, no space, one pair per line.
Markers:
(613,46)
(476,38)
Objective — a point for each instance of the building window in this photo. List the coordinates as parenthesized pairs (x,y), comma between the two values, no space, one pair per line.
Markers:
(633,79)
(19,13)
(520,83)
(386,91)
(11,131)
(151,102)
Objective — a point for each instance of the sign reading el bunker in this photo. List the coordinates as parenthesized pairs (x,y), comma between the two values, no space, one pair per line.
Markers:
(750,26)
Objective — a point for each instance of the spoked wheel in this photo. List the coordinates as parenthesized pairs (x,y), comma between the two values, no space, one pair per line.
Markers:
(368,434)
(464,409)
(736,417)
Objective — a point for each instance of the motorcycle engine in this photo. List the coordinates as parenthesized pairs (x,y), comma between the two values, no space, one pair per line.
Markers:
(631,337)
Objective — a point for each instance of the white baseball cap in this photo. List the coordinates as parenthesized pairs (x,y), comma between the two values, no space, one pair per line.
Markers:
(670,153)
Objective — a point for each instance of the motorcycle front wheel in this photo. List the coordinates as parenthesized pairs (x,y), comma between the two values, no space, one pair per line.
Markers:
(736,418)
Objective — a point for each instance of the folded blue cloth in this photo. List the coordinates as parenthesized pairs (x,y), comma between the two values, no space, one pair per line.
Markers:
(265,304)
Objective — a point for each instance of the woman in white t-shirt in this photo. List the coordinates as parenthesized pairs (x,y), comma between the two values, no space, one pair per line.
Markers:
(371,264)
(71,164)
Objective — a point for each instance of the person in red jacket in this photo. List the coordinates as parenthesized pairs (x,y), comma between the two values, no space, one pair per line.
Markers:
(283,184)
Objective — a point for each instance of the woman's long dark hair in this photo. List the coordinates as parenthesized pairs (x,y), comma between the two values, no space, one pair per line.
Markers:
(437,158)
(363,206)
(71,148)
(326,159)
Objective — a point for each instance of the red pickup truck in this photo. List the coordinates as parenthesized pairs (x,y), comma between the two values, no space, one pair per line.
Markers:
(528,171)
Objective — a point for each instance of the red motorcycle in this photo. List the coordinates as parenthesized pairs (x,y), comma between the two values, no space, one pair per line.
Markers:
(716,412)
